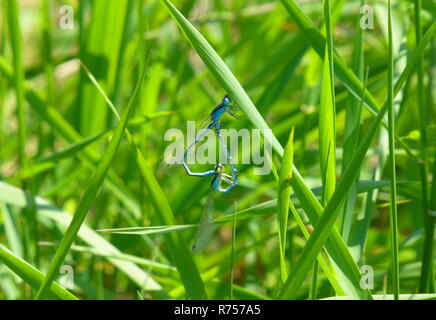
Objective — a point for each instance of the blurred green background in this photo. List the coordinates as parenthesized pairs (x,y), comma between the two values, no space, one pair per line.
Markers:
(53,133)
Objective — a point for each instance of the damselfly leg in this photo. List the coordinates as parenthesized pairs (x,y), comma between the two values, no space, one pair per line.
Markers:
(212,123)
(185,156)
(227,155)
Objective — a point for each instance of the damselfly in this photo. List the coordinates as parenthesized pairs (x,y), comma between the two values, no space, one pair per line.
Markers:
(206,226)
(224,148)
(212,122)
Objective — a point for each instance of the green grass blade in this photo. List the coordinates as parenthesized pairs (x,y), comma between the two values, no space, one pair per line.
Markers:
(13,11)
(47,162)
(103,54)
(138,276)
(232,256)
(159,268)
(89,196)
(66,131)
(354,232)
(427,261)
(337,248)
(393,205)
(283,199)
(391,297)
(71,150)
(327,116)
(318,42)
(327,127)
(286,64)
(432,212)
(17,52)
(11,230)
(16,197)
(352,127)
(220,70)
(349,79)
(179,250)
(148,230)
(309,202)
(182,256)
(31,275)
(47,51)
(321,261)
(327,220)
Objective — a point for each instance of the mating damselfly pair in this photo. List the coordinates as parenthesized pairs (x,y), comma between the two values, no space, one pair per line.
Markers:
(222,182)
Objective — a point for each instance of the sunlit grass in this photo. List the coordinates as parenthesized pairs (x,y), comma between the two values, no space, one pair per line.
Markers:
(82,140)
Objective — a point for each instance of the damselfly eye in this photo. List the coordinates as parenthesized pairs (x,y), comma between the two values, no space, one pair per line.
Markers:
(226,99)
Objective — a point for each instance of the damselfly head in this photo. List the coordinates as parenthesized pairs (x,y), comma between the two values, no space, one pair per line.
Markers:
(226,99)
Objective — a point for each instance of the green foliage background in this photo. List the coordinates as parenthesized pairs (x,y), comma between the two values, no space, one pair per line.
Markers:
(65,153)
